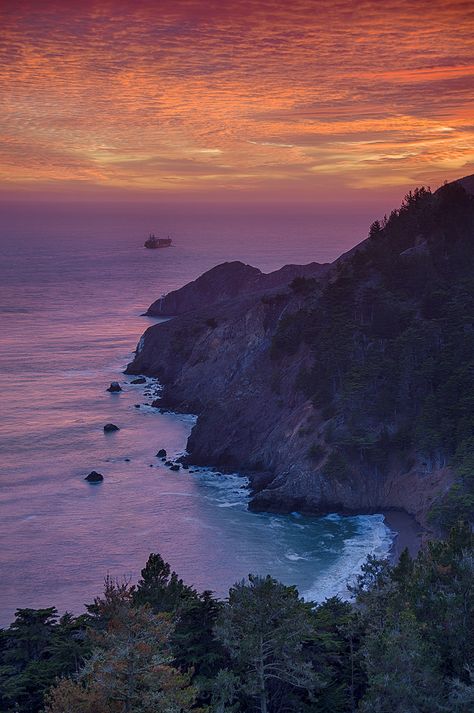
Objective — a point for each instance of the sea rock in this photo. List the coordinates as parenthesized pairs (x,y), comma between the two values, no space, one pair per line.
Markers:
(110,428)
(175,466)
(168,462)
(139,380)
(114,387)
(94,477)
(161,453)
(156,403)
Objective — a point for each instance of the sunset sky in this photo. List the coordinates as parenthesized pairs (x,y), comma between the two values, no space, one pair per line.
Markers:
(288,100)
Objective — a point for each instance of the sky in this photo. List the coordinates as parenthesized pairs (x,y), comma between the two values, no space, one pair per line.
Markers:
(318,101)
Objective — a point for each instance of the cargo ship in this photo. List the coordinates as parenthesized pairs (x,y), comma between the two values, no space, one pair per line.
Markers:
(153,242)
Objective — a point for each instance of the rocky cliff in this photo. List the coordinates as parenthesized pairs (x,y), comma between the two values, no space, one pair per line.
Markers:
(227,281)
(346,389)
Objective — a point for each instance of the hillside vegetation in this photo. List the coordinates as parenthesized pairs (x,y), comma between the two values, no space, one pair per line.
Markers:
(392,334)
(404,645)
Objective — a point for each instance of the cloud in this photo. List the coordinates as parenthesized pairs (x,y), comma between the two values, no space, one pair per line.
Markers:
(198,95)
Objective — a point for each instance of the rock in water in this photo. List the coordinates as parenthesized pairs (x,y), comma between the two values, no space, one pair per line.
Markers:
(161,453)
(175,466)
(110,427)
(94,477)
(139,380)
(114,387)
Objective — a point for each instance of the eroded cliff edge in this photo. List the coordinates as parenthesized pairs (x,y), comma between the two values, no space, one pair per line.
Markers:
(347,389)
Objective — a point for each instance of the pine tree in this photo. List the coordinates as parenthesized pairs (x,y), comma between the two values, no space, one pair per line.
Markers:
(403,673)
(161,588)
(264,627)
(130,668)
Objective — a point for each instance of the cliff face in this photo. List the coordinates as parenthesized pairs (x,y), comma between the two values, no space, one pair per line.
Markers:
(334,389)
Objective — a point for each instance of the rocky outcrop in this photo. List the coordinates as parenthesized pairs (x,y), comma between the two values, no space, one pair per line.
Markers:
(287,382)
(94,477)
(252,418)
(110,428)
(228,281)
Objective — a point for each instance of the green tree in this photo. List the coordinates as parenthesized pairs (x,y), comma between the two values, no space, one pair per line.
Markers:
(335,652)
(130,668)
(161,588)
(461,695)
(225,691)
(193,642)
(403,676)
(264,627)
(34,651)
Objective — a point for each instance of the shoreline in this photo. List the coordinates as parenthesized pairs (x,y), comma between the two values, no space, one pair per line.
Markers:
(407,533)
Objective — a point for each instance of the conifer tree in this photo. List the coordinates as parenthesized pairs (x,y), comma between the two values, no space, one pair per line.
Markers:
(403,673)
(161,588)
(130,668)
(264,627)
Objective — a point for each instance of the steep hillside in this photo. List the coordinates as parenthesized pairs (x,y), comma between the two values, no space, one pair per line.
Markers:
(353,391)
(227,281)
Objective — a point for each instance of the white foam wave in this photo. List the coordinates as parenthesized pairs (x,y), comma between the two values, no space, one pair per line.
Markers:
(293,557)
(332,517)
(372,537)
(228,490)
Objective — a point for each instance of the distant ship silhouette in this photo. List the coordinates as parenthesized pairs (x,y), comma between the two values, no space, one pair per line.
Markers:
(153,242)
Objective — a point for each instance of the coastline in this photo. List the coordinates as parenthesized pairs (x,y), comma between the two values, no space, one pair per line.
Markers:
(407,533)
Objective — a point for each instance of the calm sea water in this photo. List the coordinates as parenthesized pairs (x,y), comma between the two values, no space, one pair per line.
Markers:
(69,321)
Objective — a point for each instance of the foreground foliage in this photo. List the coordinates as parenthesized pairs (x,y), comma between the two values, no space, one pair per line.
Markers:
(404,645)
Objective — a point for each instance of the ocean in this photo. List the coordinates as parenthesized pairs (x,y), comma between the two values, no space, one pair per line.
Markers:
(70,317)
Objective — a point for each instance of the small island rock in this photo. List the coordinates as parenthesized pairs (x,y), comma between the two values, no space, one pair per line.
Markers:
(114,387)
(94,477)
(161,453)
(175,466)
(110,427)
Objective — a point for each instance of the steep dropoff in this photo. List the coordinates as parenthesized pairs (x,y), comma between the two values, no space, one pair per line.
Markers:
(347,388)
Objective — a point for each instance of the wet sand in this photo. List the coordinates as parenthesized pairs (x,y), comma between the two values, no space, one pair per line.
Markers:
(407,531)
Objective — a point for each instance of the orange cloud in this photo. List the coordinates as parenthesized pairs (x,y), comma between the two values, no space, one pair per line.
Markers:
(249,95)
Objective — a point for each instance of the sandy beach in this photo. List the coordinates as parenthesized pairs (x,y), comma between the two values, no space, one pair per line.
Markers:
(407,531)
